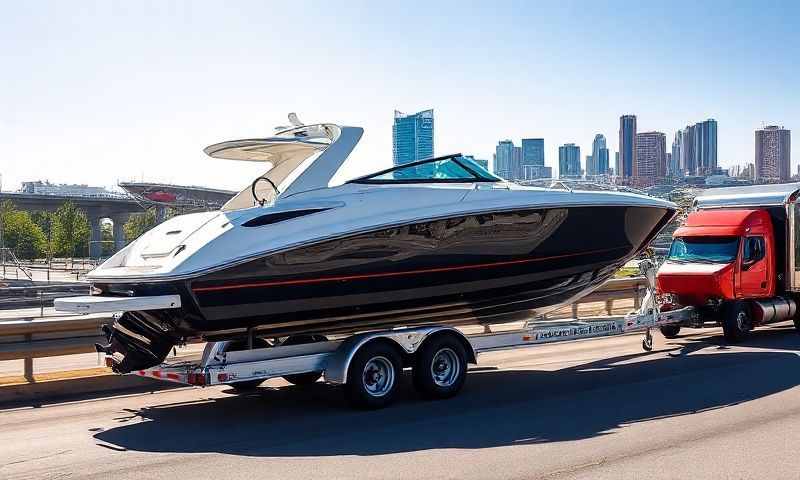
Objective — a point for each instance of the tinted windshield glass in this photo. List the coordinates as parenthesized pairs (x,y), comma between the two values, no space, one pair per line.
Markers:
(449,169)
(708,249)
(442,169)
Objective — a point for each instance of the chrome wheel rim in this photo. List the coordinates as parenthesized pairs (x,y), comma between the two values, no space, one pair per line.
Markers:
(445,367)
(742,321)
(378,376)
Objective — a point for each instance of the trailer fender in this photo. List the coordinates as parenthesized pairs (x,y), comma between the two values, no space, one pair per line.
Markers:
(407,339)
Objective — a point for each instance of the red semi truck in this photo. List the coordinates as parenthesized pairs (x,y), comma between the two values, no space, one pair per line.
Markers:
(736,260)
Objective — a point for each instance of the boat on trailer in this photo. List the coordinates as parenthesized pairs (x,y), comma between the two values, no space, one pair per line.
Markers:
(294,258)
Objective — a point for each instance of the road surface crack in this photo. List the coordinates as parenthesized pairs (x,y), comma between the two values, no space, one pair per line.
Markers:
(62,452)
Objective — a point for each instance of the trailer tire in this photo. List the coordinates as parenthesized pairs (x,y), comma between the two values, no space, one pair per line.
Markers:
(670,331)
(737,321)
(238,345)
(373,375)
(308,378)
(440,368)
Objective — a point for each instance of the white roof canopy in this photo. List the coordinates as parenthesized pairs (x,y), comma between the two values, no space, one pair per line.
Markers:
(299,159)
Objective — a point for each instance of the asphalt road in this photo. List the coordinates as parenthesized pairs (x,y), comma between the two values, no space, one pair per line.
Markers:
(694,408)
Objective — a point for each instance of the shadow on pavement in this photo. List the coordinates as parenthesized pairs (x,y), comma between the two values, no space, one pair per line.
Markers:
(496,408)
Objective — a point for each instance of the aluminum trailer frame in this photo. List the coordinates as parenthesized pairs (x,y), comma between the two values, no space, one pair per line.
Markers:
(333,358)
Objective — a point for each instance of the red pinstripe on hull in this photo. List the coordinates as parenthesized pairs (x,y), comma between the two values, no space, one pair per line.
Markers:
(307,281)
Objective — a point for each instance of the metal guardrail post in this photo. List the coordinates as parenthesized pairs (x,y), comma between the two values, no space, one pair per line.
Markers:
(27,362)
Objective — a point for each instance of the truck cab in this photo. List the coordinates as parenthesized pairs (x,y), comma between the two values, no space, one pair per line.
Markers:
(720,255)
(736,259)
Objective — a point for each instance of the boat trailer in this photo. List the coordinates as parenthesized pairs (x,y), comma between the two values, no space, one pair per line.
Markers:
(368,363)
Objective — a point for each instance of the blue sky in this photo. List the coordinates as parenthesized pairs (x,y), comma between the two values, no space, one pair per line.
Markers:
(100,92)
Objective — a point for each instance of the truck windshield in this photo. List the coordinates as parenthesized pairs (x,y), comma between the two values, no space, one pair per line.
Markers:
(704,249)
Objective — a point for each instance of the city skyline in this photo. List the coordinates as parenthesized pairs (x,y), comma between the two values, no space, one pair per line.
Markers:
(119,91)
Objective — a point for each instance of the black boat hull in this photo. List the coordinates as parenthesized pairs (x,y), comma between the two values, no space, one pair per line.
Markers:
(484,268)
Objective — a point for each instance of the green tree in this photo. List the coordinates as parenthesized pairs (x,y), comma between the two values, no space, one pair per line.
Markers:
(45,221)
(70,231)
(138,223)
(107,235)
(20,233)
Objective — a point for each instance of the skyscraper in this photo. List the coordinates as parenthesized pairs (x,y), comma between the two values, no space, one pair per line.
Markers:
(627,146)
(532,156)
(412,137)
(503,162)
(669,164)
(689,150)
(651,160)
(516,163)
(696,146)
(706,146)
(599,157)
(569,161)
(773,154)
(675,169)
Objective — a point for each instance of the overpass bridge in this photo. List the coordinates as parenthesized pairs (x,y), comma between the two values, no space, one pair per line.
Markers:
(117,208)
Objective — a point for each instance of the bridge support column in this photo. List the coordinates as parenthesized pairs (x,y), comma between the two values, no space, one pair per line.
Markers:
(161,214)
(119,231)
(95,237)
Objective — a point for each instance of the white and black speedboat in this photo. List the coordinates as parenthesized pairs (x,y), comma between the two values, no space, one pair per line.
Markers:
(434,241)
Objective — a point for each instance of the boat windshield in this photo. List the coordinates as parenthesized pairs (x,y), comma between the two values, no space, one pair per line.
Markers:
(452,169)
(704,249)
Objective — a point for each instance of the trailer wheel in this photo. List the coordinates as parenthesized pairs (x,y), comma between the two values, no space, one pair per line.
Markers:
(441,367)
(373,375)
(670,331)
(737,321)
(309,377)
(238,345)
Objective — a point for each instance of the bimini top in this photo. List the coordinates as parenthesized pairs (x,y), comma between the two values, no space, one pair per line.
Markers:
(300,158)
(751,196)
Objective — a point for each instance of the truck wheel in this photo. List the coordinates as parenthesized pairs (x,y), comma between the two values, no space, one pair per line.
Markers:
(670,331)
(309,377)
(373,375)
(238,345)
(737,321)
(441,367)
